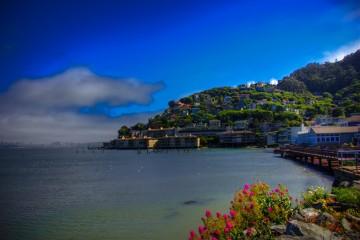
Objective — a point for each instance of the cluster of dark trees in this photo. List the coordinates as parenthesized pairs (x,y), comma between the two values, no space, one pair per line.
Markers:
(327,77)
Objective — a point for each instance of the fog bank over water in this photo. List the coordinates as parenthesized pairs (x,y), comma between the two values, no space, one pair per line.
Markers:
(54,108)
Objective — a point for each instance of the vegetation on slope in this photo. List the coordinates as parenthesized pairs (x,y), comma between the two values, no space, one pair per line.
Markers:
(317,89)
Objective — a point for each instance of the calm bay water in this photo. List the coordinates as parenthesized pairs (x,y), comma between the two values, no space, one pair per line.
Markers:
(71,194)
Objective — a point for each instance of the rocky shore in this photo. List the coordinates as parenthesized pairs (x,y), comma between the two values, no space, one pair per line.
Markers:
(257,212)
(309,224)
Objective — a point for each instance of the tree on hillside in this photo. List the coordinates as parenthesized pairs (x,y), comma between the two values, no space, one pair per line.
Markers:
(186,100)
(124,131)
(292,85)
(172,103)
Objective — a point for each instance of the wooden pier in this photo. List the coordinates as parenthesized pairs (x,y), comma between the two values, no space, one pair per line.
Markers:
(333,161)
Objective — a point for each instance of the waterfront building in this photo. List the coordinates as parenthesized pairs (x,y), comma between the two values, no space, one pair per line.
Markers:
(237,138)
(290,135)
(154,143)
(206,132)
(178,142)
(325,135)
(160,132)
(129,143)
(353,120)
(271,138)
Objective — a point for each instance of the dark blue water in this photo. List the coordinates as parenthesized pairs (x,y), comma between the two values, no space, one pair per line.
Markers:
(72,194)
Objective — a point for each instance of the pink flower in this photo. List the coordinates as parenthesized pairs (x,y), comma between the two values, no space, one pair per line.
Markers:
(277,190)
(218,215)
(229,225)
(247,186)
(232,213)
(270,209)
(192,234)
(201,229)
(214,238)
(245,191)
(226,216)
(226,230)
(252,194)
(208,213)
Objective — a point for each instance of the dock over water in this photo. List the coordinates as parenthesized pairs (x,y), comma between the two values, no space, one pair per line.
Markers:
(344,163)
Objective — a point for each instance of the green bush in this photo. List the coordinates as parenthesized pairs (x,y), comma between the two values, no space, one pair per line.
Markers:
(347,195)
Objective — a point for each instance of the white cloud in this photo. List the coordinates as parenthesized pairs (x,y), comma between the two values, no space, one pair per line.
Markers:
(46,110)
(341,52)
(273,81)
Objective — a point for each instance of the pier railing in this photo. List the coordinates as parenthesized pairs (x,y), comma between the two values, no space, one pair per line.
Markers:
(328,159)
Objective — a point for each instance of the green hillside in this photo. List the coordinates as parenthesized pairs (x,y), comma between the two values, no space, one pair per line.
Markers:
(340,79)
(317,89)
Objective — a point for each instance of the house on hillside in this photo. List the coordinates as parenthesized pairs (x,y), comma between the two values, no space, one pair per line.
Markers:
(241,124)
(214,123)
(227,100)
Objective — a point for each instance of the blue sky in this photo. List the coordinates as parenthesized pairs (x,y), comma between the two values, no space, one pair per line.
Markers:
(185,46)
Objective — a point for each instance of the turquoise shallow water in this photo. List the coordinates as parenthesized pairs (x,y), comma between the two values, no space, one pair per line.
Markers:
(72,194)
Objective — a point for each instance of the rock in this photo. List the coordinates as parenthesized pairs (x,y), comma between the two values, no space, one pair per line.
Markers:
(346,224)
(190,202)
(326,217)
(310,214)
(297,216)
(288,237)
(278,229)
(317,206)
(293,228)
(308,231)
(352,235)
(356,184)
(352,218)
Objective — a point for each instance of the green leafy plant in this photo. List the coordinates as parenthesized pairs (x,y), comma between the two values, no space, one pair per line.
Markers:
(347,195)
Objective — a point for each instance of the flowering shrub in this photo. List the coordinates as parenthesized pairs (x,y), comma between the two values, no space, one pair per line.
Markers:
(254,209)
(315,195)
